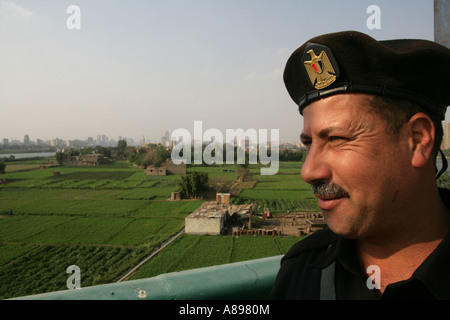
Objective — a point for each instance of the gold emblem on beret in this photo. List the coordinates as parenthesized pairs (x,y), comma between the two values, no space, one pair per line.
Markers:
(320,70)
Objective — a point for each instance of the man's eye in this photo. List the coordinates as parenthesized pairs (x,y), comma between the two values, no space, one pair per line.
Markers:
(336,138)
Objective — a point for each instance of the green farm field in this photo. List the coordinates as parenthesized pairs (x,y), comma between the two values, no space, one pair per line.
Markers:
(106,219)
(192,251)
(279,193)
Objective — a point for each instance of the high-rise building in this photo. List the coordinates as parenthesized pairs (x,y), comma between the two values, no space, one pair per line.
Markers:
(26,140)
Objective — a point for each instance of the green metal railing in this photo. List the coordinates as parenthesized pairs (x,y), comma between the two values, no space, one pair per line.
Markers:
(252,279)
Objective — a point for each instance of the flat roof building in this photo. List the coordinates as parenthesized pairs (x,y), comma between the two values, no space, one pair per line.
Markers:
(210,218)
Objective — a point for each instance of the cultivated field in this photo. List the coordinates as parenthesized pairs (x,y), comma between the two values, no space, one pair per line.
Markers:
(280,193)
(191,251)
(106,219)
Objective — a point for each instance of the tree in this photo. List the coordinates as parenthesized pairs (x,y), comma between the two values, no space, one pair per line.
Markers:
(2,167)
(290,155)
(122,144)
(220,184)
(60,157)
(136,157)
(121,147)
(184,186)
(161,156)
(73,152)
(104,151)
(194,184)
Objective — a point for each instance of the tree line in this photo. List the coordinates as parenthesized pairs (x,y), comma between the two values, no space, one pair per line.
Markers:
(285,154)
(118,152)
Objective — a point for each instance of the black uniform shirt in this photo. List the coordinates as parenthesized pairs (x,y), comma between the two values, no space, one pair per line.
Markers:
(301,270)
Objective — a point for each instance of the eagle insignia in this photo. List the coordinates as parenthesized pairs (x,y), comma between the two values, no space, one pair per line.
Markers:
(320,69)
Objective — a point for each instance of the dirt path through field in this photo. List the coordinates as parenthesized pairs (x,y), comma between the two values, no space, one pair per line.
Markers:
(152,254)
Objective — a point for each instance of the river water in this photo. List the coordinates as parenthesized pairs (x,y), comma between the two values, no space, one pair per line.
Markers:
(28,155)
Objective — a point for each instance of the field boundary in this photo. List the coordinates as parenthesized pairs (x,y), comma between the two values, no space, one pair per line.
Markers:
(130,273)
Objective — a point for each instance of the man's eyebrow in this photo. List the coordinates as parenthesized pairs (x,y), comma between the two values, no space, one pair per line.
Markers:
(322,133)
(326,131)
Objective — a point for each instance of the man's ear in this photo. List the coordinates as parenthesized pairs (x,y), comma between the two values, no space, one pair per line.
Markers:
(422,135)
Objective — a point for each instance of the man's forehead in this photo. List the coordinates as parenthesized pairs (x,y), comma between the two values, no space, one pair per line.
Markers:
(339,112)
(338,107)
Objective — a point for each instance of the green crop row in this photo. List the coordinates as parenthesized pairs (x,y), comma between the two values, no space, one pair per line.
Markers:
(190,252)
(281,182)
(293,195)
(10,252)
(155,193)
(82,184)
(100,175)
(107,208)
(279,193)
(56,194)
(280,205)
(45,269)
(169,209)
(72,207)
(87,230)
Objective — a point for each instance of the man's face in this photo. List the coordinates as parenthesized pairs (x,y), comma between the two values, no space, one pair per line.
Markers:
(355,167)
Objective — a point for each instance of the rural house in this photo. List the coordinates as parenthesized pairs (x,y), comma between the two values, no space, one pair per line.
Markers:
(211,217)
(167,168)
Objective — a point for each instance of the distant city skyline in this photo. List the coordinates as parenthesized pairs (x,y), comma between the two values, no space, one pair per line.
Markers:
(138,69)
(99,139)
(165,139)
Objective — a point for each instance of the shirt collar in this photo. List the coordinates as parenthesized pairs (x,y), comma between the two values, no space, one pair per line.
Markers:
(434,271)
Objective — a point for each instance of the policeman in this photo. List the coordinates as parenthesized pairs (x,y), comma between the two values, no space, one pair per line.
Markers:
(372,115)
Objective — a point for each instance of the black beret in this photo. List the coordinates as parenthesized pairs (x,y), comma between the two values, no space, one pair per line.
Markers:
(350,61)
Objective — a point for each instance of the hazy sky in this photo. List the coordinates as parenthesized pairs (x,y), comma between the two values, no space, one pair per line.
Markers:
(141,68)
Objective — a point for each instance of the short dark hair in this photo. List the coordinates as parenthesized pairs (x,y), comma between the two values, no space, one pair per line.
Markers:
(396,112)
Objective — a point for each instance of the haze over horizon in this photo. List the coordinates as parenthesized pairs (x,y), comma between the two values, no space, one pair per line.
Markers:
(142,68)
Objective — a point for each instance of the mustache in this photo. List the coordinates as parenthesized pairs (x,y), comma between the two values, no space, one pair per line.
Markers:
(329,190)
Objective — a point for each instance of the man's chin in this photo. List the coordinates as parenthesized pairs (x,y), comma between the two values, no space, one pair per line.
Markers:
(339,227)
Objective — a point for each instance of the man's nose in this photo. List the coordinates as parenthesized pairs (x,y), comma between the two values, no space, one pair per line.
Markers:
(315,168)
